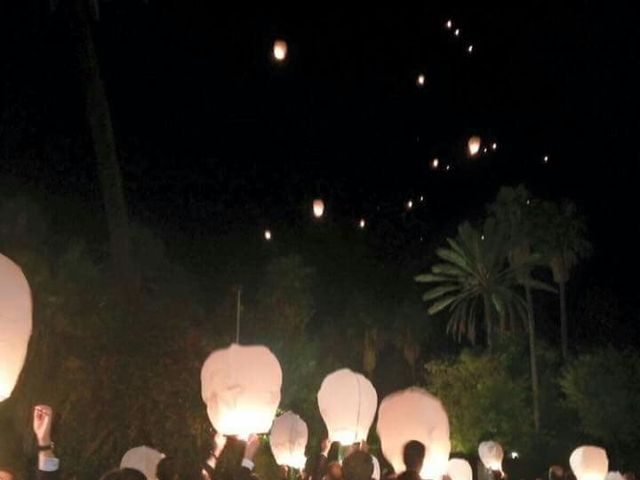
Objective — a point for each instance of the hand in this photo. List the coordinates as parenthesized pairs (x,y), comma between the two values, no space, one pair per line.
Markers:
(219,441)
(42,420)
(325,446)
(252,446)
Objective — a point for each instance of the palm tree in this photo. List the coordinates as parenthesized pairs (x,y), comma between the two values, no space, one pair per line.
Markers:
(511,209)
(476,277)
(560,235)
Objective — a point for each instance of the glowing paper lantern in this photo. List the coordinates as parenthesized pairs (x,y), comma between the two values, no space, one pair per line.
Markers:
(589,463)
(280,50)
(459,469)
(414,414)
(435,163)
(241,388)
(470,49)
(144,459)
(15,324)
(494,146)
(420,80)
(449,24)
(546,159)
(474,145)
(288,440)
(267,235)
(318,208)
(347,402)
(457,32)
(362,224)
(409,204)
(614,476)
(436,460)
(491,454)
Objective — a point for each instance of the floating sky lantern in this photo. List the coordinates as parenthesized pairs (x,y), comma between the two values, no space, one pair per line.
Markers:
(491,454)
(409,204)
(459,469)
(420,80)
(614,476)
(414,414)
(421,198)
(589,463)
(449,24)
(267,235)
(457,32)
(280,50)
(447,168)
(318,208)
(347,402)
(545,159)
(474,144)
(288,440)
(143,459)
(362,223)
(435,163)
(470,49)
(494,146)
(241,388)
(15,324)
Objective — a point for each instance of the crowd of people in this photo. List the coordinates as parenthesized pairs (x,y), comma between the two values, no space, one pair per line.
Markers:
(357,462)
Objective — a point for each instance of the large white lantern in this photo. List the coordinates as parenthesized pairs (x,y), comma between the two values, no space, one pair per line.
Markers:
(491,454)
(15,324)
(414,414)
(459,469)
(280,49)
(347,402)
(589,463)
(288,440)
(318,207)
(241,388)
(144,459)
(474,145)
(614,476)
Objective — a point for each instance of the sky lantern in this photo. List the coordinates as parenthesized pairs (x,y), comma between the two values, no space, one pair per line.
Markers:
(144,459)
(494,146)
(347,402)
(435,163)
(545,159)
(420,80)
(449,24)
(474,144)
(362,223)
(15,324)
(470,49)
(614,476)
(280,50)
(491,454)
(414,414)
(409,204)
(318,208)
(589,463)
(459,469)
(241,388)
(288,440)
(457,32)
(267,235)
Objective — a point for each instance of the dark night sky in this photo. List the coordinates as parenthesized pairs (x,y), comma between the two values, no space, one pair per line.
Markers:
(213,133)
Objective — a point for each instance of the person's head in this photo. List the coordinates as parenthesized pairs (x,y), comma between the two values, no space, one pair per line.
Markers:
(124,474)
(176,468)
(556,472)
(413,455)
(334,471)
(357,466)
(629,476)
(5,474)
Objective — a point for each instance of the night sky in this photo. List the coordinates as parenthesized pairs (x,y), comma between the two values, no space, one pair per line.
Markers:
(214,134)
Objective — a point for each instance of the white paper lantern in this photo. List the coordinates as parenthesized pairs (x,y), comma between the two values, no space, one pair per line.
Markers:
(491,454)
(15,324)
(144,459)
(474,145)
(288,440)
(589,463)
(436,460)
(459,469)
(241,388)
(280,49)
(414,414)
(318,208)
(347,402)
(614,476)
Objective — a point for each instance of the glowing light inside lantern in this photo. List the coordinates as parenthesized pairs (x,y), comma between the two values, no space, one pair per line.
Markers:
(409,204)
(362,224)
(589,463)
(436,460)
(435,163)
(318,208)
(457,32)
(470,49)
(494,146)
(280,50)
(420,80)
(267,235)
(449,24)
(421,198)
(474,144)
(546,159)
(15,324)
(515,455)
(459,469)
(447,168)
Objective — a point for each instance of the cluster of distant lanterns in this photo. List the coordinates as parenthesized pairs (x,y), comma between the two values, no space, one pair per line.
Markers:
(449,25)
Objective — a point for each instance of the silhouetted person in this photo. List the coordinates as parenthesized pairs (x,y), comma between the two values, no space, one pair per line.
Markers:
(175,468)
(357,466)
(556,472)
(124,474)
(413,458)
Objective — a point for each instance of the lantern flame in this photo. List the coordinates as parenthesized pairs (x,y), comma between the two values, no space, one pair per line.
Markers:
(474,144)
